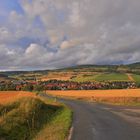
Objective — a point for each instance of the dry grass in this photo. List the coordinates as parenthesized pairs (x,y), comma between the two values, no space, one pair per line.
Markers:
(23,115)
(112,96)
(10,96)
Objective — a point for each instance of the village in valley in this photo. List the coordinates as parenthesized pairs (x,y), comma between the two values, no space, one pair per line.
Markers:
(80,78)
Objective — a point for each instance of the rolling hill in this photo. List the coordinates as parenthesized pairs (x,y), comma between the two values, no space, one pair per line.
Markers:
(80,73)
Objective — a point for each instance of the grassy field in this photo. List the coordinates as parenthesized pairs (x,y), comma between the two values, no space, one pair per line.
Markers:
(112,77)
(101,77)
(136,78)
(30,117)
(127,96)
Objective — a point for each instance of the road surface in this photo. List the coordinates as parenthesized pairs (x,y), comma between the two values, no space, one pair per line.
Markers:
(94,121)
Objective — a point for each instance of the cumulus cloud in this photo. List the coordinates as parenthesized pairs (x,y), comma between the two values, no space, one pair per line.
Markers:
(54,34)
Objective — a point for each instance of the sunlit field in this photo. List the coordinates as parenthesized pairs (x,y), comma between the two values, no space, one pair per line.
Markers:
(10,96)
(136,77)
(113,96)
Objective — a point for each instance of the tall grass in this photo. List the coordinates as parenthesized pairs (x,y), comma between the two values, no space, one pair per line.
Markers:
(23,119)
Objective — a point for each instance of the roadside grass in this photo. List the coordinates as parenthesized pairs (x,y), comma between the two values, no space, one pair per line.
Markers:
(27,118)
(112,77)
(58,128)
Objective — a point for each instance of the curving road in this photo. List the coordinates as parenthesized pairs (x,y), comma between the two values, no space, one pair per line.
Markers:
(92,121)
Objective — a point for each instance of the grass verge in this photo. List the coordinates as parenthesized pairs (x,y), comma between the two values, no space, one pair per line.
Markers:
(32,118)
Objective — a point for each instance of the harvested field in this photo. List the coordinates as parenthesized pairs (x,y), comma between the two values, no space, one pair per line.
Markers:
(114,96)
(9,96)
(98,93)
(56,78)
(86,77)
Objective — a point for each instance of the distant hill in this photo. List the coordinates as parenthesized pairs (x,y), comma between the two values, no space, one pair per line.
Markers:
(134,68)
(134,65)
(130,68)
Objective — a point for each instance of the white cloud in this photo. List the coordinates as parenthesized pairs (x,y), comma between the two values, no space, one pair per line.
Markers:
(75,16)
(34,49)
(65,33)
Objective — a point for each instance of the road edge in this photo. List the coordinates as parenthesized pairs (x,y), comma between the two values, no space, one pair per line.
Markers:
(70,133)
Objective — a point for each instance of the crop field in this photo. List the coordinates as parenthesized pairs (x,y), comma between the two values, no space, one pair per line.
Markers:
(57,76)
(65,78)
(86,77)
(113,96)
(98,93)
(10,96)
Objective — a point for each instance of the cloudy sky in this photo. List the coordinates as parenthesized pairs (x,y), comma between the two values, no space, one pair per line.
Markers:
(46,34)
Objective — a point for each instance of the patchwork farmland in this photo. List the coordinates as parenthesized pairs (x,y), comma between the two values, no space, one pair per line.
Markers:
(83,73)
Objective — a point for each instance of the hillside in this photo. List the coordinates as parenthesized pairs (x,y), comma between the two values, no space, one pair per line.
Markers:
(134,67)
(81,73)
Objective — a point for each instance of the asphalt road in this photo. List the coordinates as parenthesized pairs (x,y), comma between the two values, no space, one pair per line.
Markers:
(92,121)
